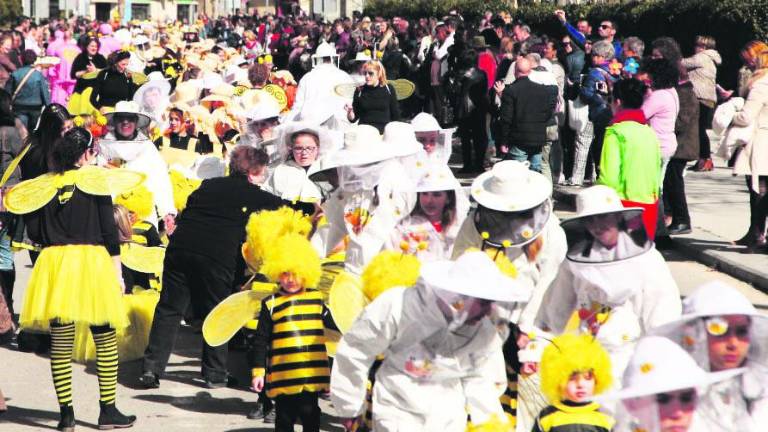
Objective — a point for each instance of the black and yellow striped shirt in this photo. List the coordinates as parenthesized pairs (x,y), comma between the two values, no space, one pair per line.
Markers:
(145,234)
(573,417)
(290,344)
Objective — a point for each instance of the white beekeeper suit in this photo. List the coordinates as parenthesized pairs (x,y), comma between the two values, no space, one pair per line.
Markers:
(367,205)
(439,364)
(620,299)
(320,83)
(141,155)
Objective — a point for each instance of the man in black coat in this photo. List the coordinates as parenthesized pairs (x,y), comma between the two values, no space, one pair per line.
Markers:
(201,259)
(526,109)
(470,106)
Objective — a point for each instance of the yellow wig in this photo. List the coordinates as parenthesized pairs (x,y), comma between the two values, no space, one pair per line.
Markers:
(265,227)
(138,201)
(182,188)
(292,253)
(571,353)
(387,270)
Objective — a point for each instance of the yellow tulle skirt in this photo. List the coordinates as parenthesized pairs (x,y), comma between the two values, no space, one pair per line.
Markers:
(74,283)
(132,342)
(80,103)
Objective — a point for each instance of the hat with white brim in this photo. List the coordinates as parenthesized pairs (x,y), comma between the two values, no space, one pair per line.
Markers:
(401,140)
(659,365)
(600,200)
(511,187)
(362,146)
(129,107)
(154,80)
(474,274)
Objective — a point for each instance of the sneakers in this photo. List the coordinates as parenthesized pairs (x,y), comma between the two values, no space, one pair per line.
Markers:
(67,422)
(149,380)
(110,418)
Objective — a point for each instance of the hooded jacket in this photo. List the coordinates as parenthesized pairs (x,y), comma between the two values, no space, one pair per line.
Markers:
(702,71)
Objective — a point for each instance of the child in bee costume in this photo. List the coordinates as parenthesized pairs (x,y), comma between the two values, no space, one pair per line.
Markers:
(574,369)
(139,204)
(76,277)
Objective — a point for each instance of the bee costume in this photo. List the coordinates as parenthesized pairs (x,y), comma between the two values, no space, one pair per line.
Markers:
(74,279)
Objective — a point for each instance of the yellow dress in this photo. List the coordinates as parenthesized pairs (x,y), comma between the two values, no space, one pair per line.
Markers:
(75,282)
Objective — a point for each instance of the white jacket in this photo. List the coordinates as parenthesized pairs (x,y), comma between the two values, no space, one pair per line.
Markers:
(430,378)
(651,298)
(141,155)
(320,84)
(542,271)
(291,182)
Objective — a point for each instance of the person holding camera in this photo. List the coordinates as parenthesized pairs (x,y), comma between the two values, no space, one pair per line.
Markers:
(596,89)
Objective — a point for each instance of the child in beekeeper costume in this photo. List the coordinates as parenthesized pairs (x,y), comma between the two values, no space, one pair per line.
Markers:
(301,144)
(363,181)
(614,279)
(431,228)
(662,388)
(153,99)
(723,331)
(574,369)
(130,147)
(436,140)
(514,219)
(442,353)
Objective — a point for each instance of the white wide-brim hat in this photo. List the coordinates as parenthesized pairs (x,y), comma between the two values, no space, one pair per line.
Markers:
(362,146)
(425,122)
(511,187)
(129,107)
(437,178)
(401,140)
(154,80)
(659,365)
(265,109)
(324,50)
(329,142)
(600,200)
(474,274)
(362,57)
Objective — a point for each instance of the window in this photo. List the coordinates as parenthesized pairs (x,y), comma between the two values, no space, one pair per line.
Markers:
(182,12)
(140,12)
(102,11)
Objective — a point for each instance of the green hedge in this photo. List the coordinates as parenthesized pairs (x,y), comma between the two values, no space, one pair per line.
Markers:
(731,22)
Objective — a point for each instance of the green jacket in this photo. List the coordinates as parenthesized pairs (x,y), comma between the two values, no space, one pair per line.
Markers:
(631,162)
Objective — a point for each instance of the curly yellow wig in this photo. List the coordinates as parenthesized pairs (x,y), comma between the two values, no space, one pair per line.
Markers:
(267,226)
(570,353)
(182,188)
(138,201)
(387,270)
(292,253)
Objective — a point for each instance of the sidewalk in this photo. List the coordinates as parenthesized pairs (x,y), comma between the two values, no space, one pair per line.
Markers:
(719,206)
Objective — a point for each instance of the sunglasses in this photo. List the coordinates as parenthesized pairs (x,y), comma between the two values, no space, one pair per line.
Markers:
(120,119)
(605,26)
(685,398)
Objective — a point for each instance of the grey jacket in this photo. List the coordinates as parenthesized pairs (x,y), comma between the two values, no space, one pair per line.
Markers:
(702,71)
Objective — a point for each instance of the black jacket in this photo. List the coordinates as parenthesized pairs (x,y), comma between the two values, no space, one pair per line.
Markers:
(376,106)
(213,223)
(687,123)
(526,109)
(472,98)
(110,87)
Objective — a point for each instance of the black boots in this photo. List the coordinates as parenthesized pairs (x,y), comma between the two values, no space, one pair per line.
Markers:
(67,422)
(111,418)
(149,380)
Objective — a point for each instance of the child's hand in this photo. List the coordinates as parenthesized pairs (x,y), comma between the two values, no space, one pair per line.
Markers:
(257,384)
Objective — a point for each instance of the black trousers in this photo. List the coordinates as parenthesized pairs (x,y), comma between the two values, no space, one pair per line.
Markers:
(188,277)
(302,406)
(675,202)
(705,122)
(596,149)
(757,206)
(474,139)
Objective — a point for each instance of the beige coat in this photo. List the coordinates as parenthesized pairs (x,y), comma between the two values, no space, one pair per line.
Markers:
(753,160)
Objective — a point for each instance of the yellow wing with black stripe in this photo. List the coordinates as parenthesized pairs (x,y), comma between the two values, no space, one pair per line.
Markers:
(230,315)
(102,181)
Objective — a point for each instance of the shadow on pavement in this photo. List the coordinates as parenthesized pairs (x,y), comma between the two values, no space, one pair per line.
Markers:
(30,417)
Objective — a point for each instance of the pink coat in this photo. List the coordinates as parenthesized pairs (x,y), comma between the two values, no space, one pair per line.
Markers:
(661,108)
(59,77)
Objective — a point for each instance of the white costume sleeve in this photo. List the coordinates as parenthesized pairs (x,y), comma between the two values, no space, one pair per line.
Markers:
(483,389)
(158,182)
(468,237)
(370,335)
(661,296)
(329,235)
(558,303)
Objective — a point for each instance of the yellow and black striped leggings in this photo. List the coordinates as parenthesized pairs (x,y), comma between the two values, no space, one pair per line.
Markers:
(62,342)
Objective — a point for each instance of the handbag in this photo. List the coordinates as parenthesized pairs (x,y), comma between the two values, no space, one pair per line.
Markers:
(578,114)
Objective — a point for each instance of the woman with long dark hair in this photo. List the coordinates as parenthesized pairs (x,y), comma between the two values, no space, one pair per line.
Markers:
(85,67)
(114,84)
(54,121)
(76,279)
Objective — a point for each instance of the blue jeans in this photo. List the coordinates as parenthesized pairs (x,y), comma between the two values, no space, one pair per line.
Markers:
(533,156)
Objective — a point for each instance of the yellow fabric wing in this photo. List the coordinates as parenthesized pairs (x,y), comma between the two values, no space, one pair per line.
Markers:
(231,314)
(102,181)
(346,90)
(143,259)
(13,165)
(346,300)
(403,88)
(30,195)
